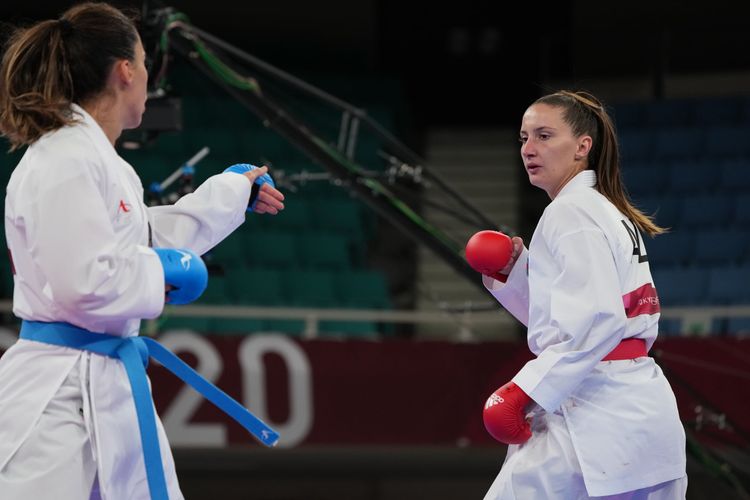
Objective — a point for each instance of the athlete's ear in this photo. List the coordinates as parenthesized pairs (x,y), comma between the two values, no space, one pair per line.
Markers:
(122,72)
(583,147)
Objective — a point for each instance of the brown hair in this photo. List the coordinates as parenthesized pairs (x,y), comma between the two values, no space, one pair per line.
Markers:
(586,115)
(54,63)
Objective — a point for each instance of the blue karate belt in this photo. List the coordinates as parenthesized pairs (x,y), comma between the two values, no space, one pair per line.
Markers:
(134,352)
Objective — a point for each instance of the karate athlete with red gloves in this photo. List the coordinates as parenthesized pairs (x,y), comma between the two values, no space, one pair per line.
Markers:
(592,416)
(90,260)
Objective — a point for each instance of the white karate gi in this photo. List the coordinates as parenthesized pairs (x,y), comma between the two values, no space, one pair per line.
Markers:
(599,427)
(78,233)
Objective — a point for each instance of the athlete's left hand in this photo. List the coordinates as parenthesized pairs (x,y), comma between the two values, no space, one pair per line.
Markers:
(505,415)
(268,200)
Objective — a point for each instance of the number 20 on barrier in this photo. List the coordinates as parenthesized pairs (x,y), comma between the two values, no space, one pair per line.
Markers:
(250,354)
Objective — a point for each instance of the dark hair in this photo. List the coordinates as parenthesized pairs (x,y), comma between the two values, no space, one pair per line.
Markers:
(54,63)
(586,115)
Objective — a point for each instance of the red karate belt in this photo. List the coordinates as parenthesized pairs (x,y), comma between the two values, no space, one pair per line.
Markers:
(627,349)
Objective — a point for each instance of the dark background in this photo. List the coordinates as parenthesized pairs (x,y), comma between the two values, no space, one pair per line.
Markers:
(471,63)
(474,62)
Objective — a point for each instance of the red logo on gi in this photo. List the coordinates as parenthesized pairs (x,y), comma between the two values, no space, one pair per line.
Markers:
(642,300)
(124,207)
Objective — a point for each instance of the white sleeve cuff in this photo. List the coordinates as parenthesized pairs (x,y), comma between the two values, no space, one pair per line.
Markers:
(514,293)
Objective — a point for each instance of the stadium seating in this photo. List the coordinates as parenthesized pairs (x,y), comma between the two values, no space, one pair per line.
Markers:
(324,251)
(738,326)
(671,249)
(720,246)
(686,161)
(666,209)
(734,178)
(729,142)
(706,210)
(681,286)
(296,216)
(742,213)
(294,259)
(729,285)
(299,254)
(688,177)
(681,143)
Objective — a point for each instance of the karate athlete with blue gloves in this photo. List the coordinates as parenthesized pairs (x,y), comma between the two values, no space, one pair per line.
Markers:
(592,416)
(90,261)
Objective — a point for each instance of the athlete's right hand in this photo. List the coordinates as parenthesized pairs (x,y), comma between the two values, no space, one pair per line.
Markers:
(493,253)
(517,249)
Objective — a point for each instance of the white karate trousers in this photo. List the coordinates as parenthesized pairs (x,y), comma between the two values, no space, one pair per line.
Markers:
(548,468)
(80,443)
(56,460)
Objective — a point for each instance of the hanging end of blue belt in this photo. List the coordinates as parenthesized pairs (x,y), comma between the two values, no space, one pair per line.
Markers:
(268,437)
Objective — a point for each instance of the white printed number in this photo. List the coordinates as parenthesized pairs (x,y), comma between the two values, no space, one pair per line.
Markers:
(176,419)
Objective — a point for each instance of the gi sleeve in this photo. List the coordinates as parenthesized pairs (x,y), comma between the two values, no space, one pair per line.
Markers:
(200,220)
(514,293)
(89,276)
(586,310)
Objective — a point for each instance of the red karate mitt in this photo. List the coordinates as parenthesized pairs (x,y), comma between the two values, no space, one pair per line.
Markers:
(505,416)
(488,252)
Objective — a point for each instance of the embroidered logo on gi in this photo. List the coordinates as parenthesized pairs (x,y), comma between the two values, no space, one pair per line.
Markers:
(642,300)
(124,207)
(493,400)
(124,215)
(185,260)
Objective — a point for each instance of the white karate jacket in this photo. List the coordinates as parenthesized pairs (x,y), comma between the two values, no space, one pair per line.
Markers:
(582,286)
(78,233)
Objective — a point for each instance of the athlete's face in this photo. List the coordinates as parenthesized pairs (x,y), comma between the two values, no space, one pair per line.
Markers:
(551,154)
(137,88)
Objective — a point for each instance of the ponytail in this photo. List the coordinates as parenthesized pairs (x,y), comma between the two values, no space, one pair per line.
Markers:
(586,115)
(54,63)
(36,87)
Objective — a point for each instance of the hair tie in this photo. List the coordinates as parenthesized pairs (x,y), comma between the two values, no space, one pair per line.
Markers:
(584,98)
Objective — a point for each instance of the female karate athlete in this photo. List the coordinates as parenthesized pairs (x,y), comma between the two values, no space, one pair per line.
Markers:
(89,256)
(592,416)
